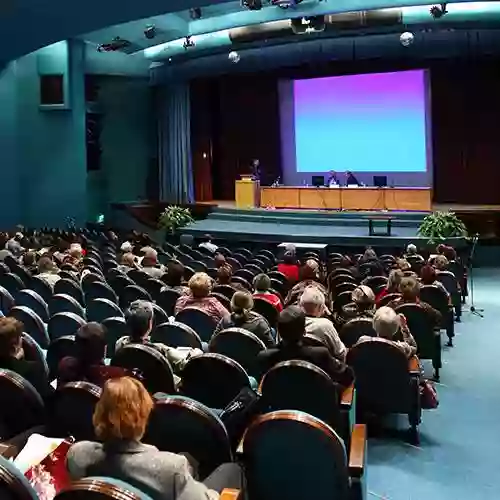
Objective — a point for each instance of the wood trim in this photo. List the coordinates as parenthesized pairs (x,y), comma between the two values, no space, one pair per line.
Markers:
(347,397)
(229,494)
(357,453)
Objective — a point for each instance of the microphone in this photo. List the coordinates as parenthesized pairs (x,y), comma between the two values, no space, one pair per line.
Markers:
(276,183)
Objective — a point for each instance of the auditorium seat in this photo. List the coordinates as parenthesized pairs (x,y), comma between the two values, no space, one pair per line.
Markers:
(176,334)
(33,324)
(203,324)
(70,287)
(100,488)
(167,300)
(13,484)
(6,300)
(266,309)
(64,323)
(351,331)
(59,348)
(35,302)
(100,309)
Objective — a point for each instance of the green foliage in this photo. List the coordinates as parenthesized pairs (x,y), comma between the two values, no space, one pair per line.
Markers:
(174,217)
(438,226)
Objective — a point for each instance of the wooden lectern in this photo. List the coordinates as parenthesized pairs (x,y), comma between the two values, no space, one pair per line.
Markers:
(247,191)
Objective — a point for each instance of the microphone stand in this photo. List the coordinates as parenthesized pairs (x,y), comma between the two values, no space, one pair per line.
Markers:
(470,278)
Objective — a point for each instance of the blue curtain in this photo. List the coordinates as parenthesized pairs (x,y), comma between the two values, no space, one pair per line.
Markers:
(174,128)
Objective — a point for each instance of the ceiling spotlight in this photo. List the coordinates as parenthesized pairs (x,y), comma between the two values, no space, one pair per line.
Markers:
(252,4)
(150,31)
(188,42)
(438,11)
(195,13)
(234,57)
(406,38)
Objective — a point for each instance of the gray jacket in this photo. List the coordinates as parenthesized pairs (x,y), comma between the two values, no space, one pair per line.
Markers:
(160,474)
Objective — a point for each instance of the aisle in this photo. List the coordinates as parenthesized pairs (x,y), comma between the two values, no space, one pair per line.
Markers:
(459,454)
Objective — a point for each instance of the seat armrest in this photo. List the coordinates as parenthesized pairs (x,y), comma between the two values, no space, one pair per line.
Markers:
(357,452)
(414,365)
(8,450)
(229,494)
(347,397)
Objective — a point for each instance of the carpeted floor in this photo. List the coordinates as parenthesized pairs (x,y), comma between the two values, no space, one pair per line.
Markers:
(459,454)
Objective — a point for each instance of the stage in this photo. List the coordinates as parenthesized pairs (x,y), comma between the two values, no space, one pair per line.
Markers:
(346,228)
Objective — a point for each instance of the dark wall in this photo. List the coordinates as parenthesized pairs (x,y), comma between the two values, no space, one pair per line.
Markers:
(238,116)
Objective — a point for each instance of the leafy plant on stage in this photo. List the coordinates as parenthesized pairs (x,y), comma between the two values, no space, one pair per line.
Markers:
(438,226)
(174,217)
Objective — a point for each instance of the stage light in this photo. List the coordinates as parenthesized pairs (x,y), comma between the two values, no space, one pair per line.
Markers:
(406,38)
(188,42)
(438,11)
(195,13)
(252,4)
(150,31)
(234,57)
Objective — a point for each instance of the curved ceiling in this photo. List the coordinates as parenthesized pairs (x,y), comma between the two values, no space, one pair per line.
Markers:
(26,25)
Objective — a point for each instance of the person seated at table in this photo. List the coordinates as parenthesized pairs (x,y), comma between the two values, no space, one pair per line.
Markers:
(291,330)
(174,277)
(428,277)
(200,286)
(139,319)
(409,289)
(88,362)
(120,419)
(393,282)
(289,267)
(12,356)
(332,179)
(362,305)
(309,276)
(242,316)
(351,179)
(262,285)
(312,302)
(387,325)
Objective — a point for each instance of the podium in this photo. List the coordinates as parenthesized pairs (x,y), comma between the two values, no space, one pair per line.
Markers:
(247,192)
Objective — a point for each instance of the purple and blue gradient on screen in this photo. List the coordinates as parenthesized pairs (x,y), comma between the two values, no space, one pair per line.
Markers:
(371,122)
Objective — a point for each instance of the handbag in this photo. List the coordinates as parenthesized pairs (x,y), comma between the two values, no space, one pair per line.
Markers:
(428,395)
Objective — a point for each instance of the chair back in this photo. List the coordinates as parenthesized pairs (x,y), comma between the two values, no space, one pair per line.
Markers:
(182,425)
(22,406)
(382,378)
(99,290)
(203,324)
(116,328)
(226,290)
(266,309)
(176,335)
(386,299)
(64,323)
(159,315)
(351,332)
(239,280)
(449,281)
(12,282)
(60,302)
(132,293)
(13,484)
(167,300)
(300,385)
(41,287)
(154,287)
(422,329)
(152,365)
(224,301)
(101,309)
(119,282)
(436,297)
(35,302)
(288,451)
(58,350)
(346,286)
(71,411)
(140,277)
(374,282)
(7,301)
(245,273)
(341,300)
(33,352)
(33,324)
(238,344)
(102,488)
(70,287)
(213,379)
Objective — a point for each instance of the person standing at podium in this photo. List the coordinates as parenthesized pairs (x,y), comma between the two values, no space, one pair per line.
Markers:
(255,169)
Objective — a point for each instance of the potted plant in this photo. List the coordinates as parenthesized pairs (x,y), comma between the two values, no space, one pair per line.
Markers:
(174,217)
(438,226)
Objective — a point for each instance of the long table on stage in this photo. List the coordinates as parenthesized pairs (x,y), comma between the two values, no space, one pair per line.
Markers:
(347,198)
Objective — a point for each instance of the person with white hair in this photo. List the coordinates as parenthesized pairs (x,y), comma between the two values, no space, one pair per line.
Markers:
(362,305)
(412,252)
(150,264)
(312,302)
(388,325)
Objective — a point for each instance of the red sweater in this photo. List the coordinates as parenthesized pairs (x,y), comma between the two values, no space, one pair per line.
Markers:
(291,271)
(271,298)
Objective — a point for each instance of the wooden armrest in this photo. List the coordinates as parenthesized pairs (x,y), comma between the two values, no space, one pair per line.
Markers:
(414,364)
(358,451)
(229,494)
(8,450)
(347,397)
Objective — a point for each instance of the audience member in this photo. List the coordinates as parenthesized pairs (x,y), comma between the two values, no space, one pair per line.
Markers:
(362,305)
(403,264)
(393,282)
(387,324)
(262,285)
(347,263)
(368,256)
(29,262)
(428,277)
(200,286)
(120,420)
(128,262)
(242,316)
(412,252)
(127,247)
(450,253)
(441,263)
(88,363)
(291,330)
(48,271)
(150,264)
(139,318)
(207,244)
(220,260)
(309,276)
(12,356)
(289,267)
(174,277)
(224,275)
(313,304)
(14,245)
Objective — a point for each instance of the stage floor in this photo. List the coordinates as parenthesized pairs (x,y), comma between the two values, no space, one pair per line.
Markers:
(309,226)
